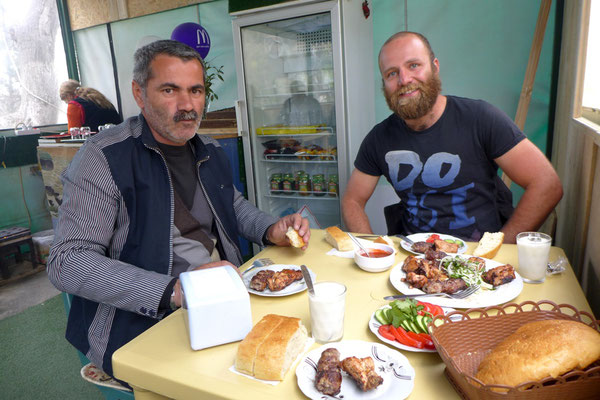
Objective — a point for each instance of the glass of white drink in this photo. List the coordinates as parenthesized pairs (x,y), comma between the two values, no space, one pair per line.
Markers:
(327,307)
(533,249)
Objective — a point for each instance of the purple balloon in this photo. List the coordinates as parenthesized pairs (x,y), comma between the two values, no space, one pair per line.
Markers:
(194,35)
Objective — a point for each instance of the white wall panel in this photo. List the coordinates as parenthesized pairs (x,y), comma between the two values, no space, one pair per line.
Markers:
(95,62)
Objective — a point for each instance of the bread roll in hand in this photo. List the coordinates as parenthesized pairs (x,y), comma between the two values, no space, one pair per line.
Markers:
(295,238)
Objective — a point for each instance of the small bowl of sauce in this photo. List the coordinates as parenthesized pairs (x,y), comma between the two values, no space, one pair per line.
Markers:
(381,257)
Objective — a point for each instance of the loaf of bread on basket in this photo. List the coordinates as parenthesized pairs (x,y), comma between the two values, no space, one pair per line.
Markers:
(270,348)
(338,239)
(540,349)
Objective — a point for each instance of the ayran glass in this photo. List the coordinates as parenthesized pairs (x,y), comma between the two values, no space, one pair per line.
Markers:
(327,306)
(533,249)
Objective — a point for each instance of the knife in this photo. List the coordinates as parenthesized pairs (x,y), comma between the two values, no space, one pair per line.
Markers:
(408,296)
(407,240)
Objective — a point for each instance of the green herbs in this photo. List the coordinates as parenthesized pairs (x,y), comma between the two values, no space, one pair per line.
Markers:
(408,314)
(469,271)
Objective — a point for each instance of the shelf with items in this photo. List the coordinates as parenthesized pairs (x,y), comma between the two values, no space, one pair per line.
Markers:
(309,196)
(303,131)
(311,148)
(294,159)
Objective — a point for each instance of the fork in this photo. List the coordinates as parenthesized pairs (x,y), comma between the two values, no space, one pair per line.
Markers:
(458,295)
(261,262)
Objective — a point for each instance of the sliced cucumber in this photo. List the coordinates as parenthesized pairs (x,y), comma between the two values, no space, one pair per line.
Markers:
(405,324)
(414,327)
(449,240)
(388,315)
(381,317)
(423,321)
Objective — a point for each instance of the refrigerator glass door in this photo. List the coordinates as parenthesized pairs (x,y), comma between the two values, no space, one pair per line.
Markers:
(290,97)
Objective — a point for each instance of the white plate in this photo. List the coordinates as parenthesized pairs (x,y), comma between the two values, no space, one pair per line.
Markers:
(374,327)
(482,298)
(397,373)
(293,288)
(422,237)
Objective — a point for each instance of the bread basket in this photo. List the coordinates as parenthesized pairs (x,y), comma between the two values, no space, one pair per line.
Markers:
(464,338)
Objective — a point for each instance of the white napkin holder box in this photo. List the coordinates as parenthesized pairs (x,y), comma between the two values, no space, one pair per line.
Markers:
(216,306)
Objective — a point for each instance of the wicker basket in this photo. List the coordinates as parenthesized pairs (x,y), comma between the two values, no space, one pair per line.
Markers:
(470,335)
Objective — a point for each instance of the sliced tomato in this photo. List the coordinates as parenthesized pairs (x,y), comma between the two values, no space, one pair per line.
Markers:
(433,238)
(426,307)
(402,336)
(437,310)
(427,342)
(384,330)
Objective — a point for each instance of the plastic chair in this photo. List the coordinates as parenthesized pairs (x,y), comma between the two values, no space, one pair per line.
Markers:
(109,393)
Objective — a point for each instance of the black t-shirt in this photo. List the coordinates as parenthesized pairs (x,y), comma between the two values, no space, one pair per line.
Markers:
(445,176)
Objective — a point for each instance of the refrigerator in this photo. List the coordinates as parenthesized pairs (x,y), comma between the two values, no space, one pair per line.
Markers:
(292,109)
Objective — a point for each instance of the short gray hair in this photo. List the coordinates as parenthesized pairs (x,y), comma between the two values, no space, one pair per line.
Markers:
(144,56)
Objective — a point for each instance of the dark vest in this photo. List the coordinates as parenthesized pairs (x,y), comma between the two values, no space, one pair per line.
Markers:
(94,115)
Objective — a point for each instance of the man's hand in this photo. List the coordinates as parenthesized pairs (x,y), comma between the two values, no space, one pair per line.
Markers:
(276,232)
(178,294)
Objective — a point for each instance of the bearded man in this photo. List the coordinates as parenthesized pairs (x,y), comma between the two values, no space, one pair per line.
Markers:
(442,153)
(147,200)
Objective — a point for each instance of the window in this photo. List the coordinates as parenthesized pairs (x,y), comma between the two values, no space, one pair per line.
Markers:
(32,64)
(591,85)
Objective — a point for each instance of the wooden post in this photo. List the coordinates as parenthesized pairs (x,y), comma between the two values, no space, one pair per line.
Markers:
(532,64)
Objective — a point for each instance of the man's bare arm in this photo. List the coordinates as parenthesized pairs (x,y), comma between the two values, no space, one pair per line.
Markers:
(359,190)
(528,167)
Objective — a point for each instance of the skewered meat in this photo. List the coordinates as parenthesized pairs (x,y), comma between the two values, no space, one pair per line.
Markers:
(437,274)
(362,370)
(411,264)
(433,286)
(442,245)
(421,247)
(416,280)
(283,279)
(434,255)
(453,285)
(499,275)
(259,281)
(329,377)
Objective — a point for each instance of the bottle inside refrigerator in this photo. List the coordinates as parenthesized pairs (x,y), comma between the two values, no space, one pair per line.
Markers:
(288,68)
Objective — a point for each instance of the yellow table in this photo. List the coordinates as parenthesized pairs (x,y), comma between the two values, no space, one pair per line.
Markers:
(160,362)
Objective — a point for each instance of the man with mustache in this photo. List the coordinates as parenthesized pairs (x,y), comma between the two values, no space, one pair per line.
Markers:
(441,154)
(147,200)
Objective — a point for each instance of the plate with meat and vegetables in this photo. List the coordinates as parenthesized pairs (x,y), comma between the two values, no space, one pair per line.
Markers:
(403,324)
(354,369)
(276,280)
(434,241)
(437,272)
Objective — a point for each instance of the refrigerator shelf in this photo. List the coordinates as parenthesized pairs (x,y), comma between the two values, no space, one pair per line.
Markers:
(298,161)
(311,196)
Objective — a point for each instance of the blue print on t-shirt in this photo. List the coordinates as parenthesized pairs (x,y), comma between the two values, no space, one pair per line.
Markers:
(421,215)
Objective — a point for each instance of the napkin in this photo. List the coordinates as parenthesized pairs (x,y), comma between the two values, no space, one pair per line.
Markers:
(307,345)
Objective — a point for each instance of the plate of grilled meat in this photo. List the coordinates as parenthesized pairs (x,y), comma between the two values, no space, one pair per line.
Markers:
(439,276)
(355,369)
(433,241)
(276,280)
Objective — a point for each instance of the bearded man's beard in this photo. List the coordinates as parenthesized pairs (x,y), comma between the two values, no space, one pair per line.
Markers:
(414,107)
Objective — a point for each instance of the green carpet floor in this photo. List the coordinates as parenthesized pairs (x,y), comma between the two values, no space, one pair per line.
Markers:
(36,361)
